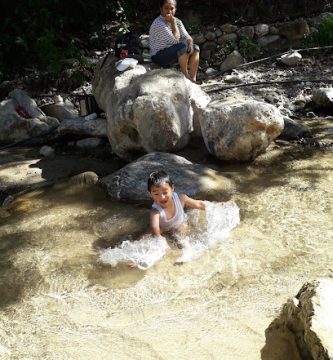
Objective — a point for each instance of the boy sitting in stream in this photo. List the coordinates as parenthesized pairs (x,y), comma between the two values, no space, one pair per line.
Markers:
(167,214)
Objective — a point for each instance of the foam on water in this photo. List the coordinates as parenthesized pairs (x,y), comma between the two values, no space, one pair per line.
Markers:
(221,218)
(141,253)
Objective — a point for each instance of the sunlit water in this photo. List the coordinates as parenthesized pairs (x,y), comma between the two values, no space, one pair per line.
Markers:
(59,302)
(220,218)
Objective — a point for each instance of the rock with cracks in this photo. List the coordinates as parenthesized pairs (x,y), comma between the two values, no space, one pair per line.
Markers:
(147,111)
(239,130)
(304,328)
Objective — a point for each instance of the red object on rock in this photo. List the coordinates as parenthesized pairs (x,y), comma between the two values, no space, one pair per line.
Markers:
(123,54)
(23,112)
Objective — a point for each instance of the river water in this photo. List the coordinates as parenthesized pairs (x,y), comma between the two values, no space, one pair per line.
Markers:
(58,302)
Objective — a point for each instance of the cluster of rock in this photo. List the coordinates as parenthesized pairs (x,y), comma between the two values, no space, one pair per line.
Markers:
(216,41)
(22,119)
(142,119)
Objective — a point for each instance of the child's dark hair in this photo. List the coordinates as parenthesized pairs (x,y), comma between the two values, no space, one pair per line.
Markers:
(163,1)
(158,178)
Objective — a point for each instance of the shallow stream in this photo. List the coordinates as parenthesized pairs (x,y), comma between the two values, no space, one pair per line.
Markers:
(58,302)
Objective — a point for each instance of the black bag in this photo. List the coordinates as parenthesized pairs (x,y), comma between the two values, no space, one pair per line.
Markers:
(128,45)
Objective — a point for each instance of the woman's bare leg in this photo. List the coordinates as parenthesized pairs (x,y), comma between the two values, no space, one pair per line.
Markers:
(193,65)
(183,62)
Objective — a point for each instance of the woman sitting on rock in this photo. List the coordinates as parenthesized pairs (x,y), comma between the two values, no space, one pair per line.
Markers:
(170,42)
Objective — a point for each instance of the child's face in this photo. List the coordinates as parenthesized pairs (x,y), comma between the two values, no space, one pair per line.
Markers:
(162,194)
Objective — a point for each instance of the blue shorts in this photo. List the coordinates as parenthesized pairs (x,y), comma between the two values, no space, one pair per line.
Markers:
(170,55)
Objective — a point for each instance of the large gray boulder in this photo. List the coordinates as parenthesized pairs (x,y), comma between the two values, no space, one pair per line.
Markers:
(130,182)
(304,328)
(21,119)
(146,111)
(239,130)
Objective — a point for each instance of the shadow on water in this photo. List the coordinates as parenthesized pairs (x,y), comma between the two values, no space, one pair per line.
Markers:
(62,166)
(277,170)
(114,240)
(15,281)
(119,277)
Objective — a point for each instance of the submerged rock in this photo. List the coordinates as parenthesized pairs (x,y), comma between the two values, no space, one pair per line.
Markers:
(130,182)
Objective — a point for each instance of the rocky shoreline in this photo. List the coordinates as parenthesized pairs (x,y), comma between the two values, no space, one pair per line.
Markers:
(294,100)
(298,86)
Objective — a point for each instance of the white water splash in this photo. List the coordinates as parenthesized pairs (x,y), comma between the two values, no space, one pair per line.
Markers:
(221,218)
(140,253)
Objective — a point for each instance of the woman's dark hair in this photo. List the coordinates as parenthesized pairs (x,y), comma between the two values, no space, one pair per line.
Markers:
(163,1)
(158,178)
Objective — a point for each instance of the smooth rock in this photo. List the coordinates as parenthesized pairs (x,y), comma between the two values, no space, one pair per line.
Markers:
(232,61)
(292,58)
(195,180)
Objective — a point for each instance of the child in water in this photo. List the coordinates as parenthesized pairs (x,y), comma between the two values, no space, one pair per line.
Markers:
(167,214)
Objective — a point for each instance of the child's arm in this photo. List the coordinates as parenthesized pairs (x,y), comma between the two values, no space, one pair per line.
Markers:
(192,203)
(155,223)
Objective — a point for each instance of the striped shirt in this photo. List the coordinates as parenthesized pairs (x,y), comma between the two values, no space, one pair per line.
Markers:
(161,36)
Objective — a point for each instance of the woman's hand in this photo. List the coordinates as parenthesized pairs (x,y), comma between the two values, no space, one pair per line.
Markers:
(170,18)
(172,21)
(190,49)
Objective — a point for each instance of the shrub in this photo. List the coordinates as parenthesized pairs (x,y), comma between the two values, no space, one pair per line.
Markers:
(248,48)
(40,33)
(324,36)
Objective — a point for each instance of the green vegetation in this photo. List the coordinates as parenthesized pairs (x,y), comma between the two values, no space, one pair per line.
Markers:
(39,34)
(324,36)
(193,28)
(249,49)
